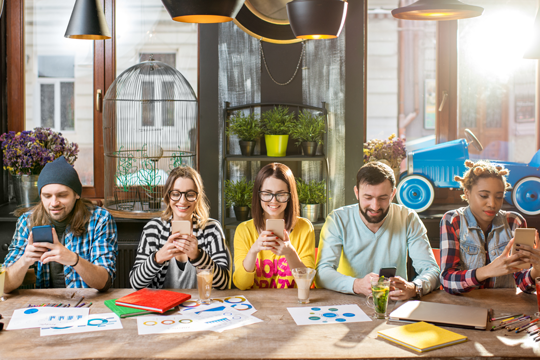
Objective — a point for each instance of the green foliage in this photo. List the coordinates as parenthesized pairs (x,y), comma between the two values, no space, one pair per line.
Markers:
(124,169)
(313,192)
(277,121)
(247,128)
(238,193)
(308,127)
(148,176)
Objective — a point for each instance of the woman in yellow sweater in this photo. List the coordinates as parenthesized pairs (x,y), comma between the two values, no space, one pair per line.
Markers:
(263,259)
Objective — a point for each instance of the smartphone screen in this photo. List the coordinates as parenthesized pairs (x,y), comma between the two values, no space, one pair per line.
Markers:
(387,272)
(526,237)
(181,226)
(277,226)
(42,234)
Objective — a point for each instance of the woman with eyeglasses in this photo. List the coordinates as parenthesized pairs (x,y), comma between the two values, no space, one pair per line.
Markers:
(167,260)
(263,259)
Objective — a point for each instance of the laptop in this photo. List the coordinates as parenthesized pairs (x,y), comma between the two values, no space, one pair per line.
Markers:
(441,314)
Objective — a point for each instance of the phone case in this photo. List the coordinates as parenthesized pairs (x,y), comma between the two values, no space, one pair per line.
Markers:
(181,226)
(42,234)
(387,272)
(277,226)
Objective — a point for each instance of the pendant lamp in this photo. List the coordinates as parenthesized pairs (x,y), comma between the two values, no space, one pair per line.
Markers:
(437,10)
(88,21)
(534,51)
(317,19)
(203,11)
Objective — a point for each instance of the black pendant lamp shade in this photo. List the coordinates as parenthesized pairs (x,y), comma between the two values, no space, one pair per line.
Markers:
(437,10)
(88,21)
(534,50)
(317,19)
(203,11)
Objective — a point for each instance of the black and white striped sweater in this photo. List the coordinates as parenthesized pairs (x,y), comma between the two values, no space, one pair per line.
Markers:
(147,272)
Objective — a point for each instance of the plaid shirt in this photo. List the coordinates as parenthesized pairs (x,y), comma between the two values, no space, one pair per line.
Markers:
(98,245)
(456,281)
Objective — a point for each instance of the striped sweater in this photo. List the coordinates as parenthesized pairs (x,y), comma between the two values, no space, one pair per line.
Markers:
(147,272)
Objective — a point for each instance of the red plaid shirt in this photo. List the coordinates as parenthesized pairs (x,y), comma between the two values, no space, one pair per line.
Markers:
(456,281)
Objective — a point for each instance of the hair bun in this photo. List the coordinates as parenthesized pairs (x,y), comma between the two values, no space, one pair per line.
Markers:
(469,164)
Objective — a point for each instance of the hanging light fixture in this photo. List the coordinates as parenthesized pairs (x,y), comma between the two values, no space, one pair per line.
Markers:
(317,19)
(534,50)
(88,21)
(437,10)
(203,11)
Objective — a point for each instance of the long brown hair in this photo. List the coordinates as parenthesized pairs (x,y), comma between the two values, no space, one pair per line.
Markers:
(292,211)
(78,218)
(202,207)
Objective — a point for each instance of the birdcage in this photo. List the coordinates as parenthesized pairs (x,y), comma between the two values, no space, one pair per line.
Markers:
(149,128)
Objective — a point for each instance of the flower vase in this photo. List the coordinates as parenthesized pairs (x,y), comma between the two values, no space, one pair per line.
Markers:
(26,190)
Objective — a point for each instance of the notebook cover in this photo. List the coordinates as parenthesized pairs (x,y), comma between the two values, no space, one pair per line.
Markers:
(153,300)
(422,336)
(124,312)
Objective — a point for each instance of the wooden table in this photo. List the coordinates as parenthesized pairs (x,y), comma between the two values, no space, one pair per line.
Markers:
(278,337)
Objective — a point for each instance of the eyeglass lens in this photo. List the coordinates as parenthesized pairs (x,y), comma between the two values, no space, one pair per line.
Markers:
(280,197)
(190,195)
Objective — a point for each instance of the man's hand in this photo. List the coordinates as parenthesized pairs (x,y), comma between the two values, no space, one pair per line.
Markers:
(403,289)
(58,252)
(32,253)
(363,286)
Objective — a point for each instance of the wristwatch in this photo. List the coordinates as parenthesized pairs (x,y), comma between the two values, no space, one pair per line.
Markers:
(418,288)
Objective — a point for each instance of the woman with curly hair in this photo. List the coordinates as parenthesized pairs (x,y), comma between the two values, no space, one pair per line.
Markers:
(476,240)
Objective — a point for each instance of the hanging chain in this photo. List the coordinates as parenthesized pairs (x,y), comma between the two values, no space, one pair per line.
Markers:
(302,55)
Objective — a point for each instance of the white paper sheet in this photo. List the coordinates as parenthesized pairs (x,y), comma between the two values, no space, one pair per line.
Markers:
(47,316)
(338,314)
(238,302)
(96,322)
(205,321)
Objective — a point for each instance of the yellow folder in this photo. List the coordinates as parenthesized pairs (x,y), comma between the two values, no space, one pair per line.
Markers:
(422,336)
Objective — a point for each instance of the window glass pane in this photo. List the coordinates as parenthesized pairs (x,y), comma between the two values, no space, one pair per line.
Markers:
(497,87)
(148,113)
(55,68)
(400,75)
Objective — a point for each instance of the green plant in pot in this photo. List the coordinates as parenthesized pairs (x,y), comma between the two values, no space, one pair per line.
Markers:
(311,196)
(238,194)
(308,130)
(276,126)
(247,128)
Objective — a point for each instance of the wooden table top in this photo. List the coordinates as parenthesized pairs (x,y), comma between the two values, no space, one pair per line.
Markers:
(278,337)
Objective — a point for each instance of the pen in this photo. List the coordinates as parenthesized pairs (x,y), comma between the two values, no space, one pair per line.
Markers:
(508,323)
(506,317)
(88,305)
(526,326)
(81,305)
(78,302)
(516,325)
(59,305)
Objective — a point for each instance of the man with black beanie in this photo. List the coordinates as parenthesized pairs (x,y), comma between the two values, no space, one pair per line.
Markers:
(84,249)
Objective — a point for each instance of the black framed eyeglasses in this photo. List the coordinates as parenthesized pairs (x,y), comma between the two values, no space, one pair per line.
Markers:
(281,197)
(190,195)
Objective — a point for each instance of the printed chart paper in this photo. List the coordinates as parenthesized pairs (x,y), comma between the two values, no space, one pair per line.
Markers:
(239,303)
(316,315)
(205,321)
(96,322)
(47,316)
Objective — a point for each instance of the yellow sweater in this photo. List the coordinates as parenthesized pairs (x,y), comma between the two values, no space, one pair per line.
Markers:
(271,271)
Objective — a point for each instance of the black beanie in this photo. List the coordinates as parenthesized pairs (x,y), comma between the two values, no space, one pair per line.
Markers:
(60,172)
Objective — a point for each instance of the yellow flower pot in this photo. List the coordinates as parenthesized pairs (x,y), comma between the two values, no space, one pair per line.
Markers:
(276,145)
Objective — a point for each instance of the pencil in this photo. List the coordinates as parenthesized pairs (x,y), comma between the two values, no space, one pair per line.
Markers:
(80,306)
(78,302)
(526,326)
(88,305)
(506,317)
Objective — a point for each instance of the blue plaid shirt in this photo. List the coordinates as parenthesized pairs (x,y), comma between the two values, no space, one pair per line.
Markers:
(97,245)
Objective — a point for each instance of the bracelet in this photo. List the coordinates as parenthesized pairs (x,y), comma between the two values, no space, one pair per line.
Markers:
(76,262)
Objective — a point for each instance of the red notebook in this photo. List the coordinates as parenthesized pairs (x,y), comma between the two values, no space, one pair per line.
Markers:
(154,300)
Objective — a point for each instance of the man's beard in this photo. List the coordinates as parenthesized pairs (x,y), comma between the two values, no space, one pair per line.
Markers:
(373,219)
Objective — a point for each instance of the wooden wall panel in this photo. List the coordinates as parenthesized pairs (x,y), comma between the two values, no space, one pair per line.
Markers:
(14,13)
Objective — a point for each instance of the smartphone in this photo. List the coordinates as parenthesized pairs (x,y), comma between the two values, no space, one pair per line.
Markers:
(526,237)
(42,234)
(181,226)
(277,226)
(387,272)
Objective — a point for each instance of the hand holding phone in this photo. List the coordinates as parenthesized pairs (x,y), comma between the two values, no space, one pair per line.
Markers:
(183,227)
(277,226)
(523,236)
(42,234)
(387,272)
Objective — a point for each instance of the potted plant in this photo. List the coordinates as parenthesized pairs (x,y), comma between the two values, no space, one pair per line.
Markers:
(276,125)
(308,130)
(238,194)
(311,195)
(247,128)
(25,155)
(391,152)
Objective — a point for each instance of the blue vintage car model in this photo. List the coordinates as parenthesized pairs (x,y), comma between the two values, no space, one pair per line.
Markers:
(437,165)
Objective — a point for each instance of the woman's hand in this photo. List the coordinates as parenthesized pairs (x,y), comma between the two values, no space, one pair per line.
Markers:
(283,247)
(504,264)
(531,256)
(189,245)
(266,241)
(169,250)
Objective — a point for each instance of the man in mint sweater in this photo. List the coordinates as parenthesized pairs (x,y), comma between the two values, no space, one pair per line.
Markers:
(358,240)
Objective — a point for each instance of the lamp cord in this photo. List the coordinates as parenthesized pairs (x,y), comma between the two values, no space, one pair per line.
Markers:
(302,54)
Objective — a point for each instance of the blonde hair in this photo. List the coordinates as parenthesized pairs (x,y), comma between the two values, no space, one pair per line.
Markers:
(78,218)
(478,170)
(202,207)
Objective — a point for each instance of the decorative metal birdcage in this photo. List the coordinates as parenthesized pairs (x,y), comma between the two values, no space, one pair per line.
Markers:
(149,128)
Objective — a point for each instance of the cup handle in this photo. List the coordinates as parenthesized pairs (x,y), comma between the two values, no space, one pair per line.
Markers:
(369,303)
